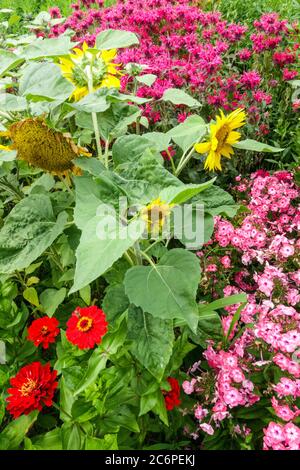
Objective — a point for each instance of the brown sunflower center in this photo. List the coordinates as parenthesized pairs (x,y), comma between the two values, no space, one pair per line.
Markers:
(42,146)
(155,214)
(222,135)
(28,387)
(84,324)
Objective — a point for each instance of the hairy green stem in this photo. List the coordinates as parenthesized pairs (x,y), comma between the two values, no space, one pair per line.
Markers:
(8,187)
(94,115)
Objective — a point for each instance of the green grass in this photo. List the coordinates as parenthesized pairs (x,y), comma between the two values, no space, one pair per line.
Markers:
(35,6)
(249,10)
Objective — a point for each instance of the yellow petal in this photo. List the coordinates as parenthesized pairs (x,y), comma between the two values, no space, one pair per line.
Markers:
(108,56)
(5,147)
(112,69)
(213,162)
(4,133)
(79,93)
(78,53)
(203,147)
(110,81)
(236,119)
(214,143)
(227,151)
(66,67)
(233,138)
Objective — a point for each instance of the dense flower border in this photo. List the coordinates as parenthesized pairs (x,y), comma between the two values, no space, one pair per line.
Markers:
(224,64)
(259,360)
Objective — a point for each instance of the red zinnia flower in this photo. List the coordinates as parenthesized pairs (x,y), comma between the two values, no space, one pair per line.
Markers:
(172,397)
(43,331)
(86,327)
(32,387)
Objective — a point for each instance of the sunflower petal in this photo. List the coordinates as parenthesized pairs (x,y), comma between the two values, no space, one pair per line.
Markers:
(5,147)
(213,161)
(108,56)
(233,138)
(203,147)
(226,151)
(110,82)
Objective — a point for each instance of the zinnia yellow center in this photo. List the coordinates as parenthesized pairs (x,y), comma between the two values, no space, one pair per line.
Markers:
(44,330)
(84,324)
(28,387)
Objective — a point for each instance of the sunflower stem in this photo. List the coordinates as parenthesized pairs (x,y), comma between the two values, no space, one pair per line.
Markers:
(150,261)
(8,187)
(6,116)
(171,161)
(127,256)
(184,160)
(94,115)
(138,253)
(106,153)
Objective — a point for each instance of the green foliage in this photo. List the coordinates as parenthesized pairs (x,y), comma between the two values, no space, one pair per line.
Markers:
(13,434)
(238,10)
(165,290)
(29,230)
(74,241)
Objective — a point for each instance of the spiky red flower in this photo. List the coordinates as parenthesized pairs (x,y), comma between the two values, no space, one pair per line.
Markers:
(32,387)
(86,327)
(43,331)
(172,397)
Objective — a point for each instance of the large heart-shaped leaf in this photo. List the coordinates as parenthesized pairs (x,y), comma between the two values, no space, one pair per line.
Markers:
(168,289)
(129,148)
(29,230)
(8,61)
(104,240)
(115,39)
(250,144)
(177,96)
(45,81)
(189,132)
(91,193)
(217,201)
(179,195)
(53,47)
(9,102)
(152,341)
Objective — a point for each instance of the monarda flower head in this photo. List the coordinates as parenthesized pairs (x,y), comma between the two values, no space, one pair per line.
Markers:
(31,389)
(43,147)
(222,137)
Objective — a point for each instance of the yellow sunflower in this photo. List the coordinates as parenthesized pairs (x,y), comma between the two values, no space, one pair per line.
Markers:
(155,214)
(75,69)
(43,147)
(221,138)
